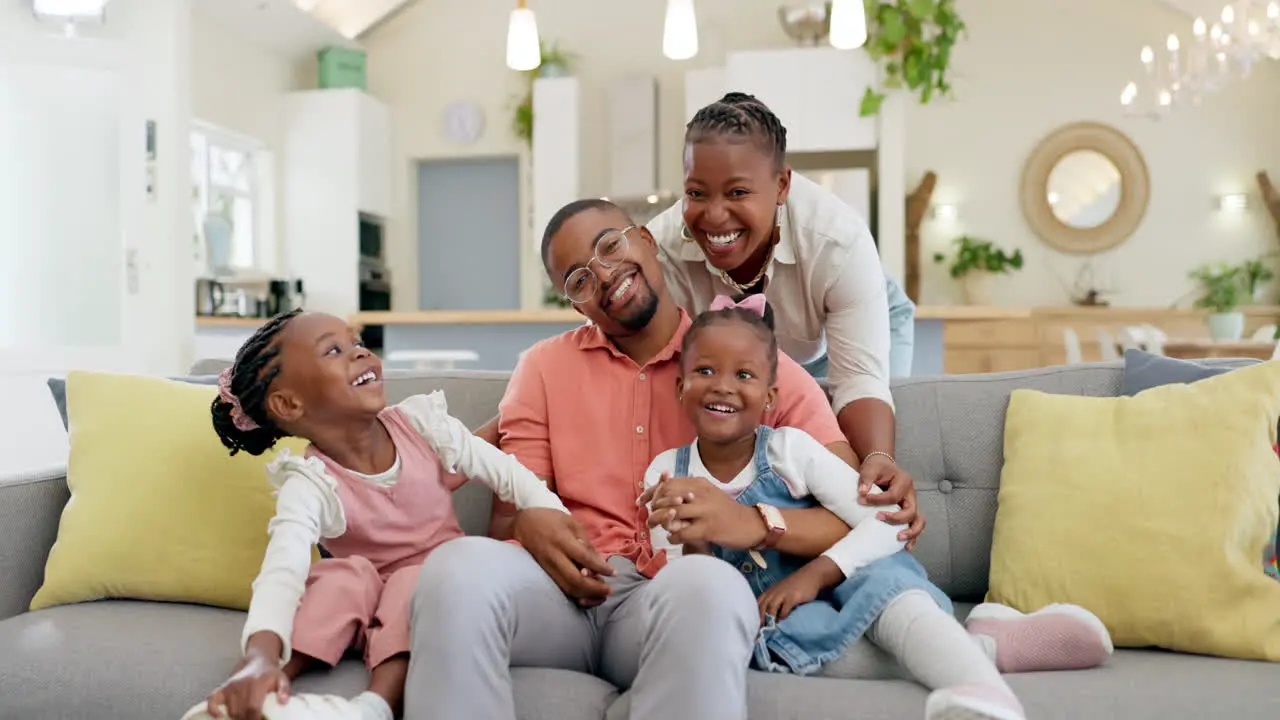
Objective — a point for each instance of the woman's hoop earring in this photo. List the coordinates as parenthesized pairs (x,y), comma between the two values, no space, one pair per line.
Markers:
(685,234)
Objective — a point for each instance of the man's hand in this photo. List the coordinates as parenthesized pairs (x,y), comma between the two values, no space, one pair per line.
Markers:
(693,510)
(560,545)
(899,489)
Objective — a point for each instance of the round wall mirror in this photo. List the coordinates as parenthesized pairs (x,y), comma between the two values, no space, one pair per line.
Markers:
(1084,188)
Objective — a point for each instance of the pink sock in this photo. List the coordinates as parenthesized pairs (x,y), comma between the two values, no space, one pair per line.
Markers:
(1055,637)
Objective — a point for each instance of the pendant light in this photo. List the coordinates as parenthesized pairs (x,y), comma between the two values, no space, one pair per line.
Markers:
(848,24)
(524,50)
(680,31)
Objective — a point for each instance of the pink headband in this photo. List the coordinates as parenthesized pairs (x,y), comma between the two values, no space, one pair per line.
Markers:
(241,420)
(751,303)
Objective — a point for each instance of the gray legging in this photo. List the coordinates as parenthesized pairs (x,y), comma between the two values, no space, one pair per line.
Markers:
(902,335)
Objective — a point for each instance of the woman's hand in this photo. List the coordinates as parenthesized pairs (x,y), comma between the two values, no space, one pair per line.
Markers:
(242,695)
(695,511)
(798,588)
(899,489)
(561,547)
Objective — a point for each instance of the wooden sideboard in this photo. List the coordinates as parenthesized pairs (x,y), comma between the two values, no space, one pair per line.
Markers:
(1018,339)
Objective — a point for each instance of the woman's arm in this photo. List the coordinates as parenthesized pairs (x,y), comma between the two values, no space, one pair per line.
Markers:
(858,342)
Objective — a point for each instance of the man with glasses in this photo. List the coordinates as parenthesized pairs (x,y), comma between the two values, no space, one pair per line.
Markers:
(587,411)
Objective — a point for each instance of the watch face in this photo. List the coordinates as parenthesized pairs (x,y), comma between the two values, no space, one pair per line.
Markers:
(773,517)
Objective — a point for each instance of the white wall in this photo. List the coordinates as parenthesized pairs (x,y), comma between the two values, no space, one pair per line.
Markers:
(1026,68)
(1031,66)
(436,53)
(238,85)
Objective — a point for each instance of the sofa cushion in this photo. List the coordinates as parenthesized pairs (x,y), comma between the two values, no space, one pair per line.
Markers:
(1144,370)
(1151,511)
(58,389)
(158,510)
(126,659)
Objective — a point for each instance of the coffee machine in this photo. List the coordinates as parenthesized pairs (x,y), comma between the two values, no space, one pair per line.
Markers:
(284,296)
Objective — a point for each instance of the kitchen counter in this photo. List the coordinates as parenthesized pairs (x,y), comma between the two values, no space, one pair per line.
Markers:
(227,321)
(561,316)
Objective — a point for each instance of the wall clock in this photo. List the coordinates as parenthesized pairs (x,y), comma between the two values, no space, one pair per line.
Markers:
(464,122)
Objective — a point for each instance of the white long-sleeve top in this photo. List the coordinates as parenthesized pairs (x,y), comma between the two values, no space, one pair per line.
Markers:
(826,286)
(808,469)
(308,507)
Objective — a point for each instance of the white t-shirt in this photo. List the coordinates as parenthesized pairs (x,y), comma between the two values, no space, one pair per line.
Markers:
(807,468)
(825,284)
(308,507)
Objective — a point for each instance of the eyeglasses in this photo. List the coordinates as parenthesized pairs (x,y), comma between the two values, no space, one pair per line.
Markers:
(611,249)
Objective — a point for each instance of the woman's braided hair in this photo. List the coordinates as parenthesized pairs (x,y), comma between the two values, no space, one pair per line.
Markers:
(740,115)
(254,369)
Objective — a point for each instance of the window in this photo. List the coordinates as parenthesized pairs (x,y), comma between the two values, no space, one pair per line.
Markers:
(226,201)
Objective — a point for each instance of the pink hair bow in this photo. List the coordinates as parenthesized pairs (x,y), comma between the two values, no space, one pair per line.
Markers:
(239,417)
(751,303)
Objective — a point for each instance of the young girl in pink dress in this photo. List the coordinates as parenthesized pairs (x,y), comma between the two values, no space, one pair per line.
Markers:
(373,489)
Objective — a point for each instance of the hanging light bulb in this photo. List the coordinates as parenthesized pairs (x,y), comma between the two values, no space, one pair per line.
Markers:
(680,31)
(1199,28)
(1129,94)
(848,24)
(524,50)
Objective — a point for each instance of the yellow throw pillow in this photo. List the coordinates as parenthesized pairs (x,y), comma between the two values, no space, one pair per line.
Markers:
(158,509)
(1151,511)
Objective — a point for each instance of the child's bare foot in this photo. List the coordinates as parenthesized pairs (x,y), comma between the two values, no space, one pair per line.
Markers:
(1055,637)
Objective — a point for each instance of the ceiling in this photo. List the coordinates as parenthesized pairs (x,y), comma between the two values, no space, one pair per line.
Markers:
(299,27)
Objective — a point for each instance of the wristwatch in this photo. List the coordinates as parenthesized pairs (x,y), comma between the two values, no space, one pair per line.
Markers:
(775,527)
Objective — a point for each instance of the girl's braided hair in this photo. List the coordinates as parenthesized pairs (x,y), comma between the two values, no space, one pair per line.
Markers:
(251,375)
(762,324)
(740,115)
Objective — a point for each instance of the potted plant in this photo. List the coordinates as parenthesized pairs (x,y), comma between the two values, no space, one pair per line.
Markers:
(911,40)
(975,262)
(1255,274)
(555,63)
(1222,289)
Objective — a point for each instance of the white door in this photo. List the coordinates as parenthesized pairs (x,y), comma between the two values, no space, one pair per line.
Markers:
(72,192)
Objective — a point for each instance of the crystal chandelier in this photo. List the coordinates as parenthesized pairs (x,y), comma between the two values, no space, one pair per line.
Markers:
(1246,32)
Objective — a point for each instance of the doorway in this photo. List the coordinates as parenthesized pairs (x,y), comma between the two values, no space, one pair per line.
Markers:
(469,234)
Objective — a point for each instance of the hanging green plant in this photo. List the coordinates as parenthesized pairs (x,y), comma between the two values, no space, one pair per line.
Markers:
(911,40)
(555,63)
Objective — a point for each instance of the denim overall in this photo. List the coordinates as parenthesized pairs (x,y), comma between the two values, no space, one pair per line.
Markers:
(816,632)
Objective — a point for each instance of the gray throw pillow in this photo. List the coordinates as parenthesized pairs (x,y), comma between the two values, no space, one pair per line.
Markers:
(58,388)
(1143,371)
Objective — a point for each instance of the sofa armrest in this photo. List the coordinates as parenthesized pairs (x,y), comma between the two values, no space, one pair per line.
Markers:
(30,509)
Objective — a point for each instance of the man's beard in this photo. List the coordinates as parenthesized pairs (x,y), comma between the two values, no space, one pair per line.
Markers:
(640,317)
(642,311)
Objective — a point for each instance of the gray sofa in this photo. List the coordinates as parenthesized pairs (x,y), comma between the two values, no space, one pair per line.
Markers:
(129,659)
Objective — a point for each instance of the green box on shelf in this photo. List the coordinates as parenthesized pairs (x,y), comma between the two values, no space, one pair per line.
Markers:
(341,67)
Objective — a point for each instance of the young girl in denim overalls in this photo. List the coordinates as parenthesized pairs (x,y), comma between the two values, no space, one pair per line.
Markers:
(867,583)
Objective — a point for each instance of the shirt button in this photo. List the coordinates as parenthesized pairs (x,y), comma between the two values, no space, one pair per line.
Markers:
(642,376)
(640,429)
(747,567)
